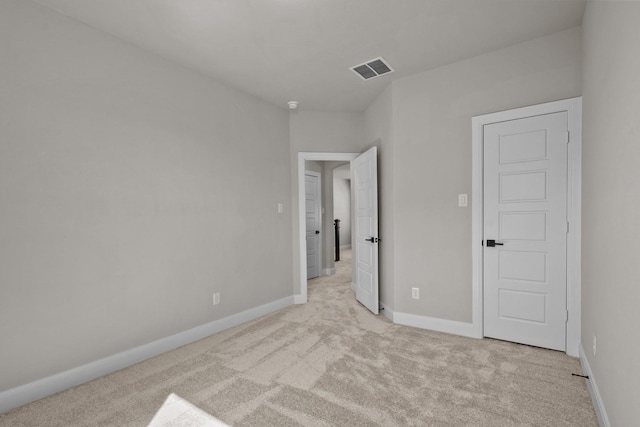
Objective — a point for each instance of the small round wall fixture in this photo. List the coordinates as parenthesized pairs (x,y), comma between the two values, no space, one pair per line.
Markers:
(293,105)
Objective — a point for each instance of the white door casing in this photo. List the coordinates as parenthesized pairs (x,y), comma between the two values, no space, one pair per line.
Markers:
(525,216)
(365,175)
(313,223)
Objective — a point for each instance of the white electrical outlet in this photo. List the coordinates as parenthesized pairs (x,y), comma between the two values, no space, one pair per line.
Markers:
(216,298)
(415,293)
(595,347)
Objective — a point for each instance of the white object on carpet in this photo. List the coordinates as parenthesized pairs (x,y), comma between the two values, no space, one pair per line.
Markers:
(177,412)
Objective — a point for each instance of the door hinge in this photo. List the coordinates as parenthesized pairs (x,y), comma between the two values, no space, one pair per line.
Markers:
(566,319)
(567,137)
(567,226)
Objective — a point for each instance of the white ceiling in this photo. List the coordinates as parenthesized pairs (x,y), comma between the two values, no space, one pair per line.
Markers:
(282,50)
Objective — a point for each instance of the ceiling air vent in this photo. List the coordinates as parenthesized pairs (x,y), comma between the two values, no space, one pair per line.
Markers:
(372,68)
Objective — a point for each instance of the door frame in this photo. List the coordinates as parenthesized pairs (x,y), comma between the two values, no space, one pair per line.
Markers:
(573,107)
(318,176)
(301,298)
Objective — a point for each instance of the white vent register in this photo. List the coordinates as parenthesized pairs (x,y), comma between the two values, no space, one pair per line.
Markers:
(373,68)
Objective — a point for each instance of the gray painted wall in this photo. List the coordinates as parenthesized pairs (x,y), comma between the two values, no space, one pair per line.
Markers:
(378,119)
(429,137)
(314,166)
(131,189)
(611,205)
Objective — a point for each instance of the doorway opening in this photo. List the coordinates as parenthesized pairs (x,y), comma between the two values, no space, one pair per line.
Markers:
(328,219)
(327,161)
(364,187)
(342,210)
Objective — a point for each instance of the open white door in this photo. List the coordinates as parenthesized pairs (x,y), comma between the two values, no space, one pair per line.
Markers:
(365,171)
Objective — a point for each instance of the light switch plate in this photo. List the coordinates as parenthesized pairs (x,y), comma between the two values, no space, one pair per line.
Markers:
(462,200)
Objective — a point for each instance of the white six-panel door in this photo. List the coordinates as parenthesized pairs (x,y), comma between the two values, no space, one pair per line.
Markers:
(525,213)
(365,169)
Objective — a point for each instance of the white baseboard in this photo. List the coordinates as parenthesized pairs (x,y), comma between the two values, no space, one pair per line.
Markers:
(435,324)
(345,246)
(598,405)
(44,387)
(353,286)
(387,311)
(328,271)
(299,299)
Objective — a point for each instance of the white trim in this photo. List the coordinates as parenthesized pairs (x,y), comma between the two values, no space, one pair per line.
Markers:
(345,246)
(44,387)
(598,404)
(477,198)
(573,107)
(435,324)
(574,215)
(387,311)
(353,286)
(301,298)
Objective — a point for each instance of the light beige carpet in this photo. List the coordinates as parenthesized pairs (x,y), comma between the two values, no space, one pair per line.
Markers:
(331,363)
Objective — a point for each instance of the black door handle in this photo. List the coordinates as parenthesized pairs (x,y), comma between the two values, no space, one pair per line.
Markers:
(372,240)
(492,243)
(317,232)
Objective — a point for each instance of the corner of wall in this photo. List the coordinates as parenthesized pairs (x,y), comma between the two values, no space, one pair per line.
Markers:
(592,386)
